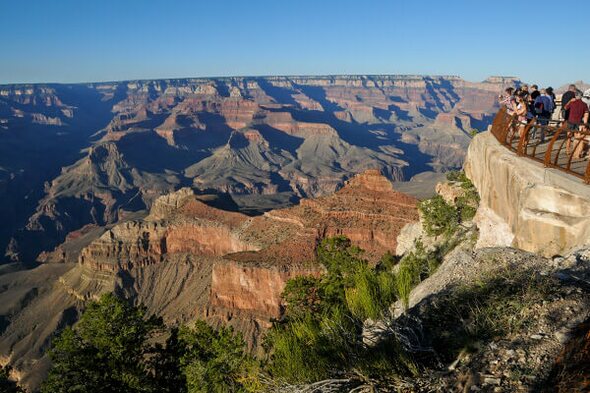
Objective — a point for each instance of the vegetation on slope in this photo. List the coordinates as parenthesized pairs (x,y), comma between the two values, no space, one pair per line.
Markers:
(321,334)
(442,218)
(116,348)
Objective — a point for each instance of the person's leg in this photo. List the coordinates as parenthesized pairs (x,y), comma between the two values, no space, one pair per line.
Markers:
(544,122)
(568,141)
(578,145)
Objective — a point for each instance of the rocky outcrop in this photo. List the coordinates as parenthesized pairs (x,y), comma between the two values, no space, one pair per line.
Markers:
(253,289)
(537,209)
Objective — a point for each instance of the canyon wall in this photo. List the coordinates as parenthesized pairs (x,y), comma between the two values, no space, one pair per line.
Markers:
(78,155)
(524,204)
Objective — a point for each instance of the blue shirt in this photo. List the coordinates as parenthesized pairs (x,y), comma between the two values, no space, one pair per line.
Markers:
(547,102)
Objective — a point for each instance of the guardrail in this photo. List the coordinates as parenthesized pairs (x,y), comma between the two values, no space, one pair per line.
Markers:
(553,145)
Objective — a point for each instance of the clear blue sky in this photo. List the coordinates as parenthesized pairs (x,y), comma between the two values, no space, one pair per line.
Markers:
(99,40)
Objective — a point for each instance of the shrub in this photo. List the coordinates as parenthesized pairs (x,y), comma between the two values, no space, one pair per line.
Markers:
(439,218)
(105,352)
(467,203)
(299,353)
(302,295)
(111,350)
(324,316)
(216,361)
(414,267)
(442,218)
(370,293)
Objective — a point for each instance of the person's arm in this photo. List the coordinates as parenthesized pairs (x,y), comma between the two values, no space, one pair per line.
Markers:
(567,106)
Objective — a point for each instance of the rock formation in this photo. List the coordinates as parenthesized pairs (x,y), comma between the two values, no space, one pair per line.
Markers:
(537,209)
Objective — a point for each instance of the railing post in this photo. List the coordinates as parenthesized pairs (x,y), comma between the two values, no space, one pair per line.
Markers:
(547,161)
(524,139)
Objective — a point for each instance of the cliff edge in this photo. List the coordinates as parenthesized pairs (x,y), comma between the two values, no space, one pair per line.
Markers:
(525,205)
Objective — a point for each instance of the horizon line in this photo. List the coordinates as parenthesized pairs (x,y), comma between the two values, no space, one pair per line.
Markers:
(253,77)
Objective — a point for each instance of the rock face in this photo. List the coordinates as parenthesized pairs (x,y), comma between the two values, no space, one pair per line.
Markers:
(546,211)
(188,260)
(266,141)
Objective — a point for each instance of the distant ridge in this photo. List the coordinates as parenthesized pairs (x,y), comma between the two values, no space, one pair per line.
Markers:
(268,77)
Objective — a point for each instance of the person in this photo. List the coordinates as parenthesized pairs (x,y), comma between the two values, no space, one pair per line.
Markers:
(523,90)
(535,92)
(522,112)
(507,100)
(577,112)
(586,97)
(543,108)
(567,97)
(550,93)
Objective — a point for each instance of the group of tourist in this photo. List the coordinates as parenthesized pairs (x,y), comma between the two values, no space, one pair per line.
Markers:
(534,105)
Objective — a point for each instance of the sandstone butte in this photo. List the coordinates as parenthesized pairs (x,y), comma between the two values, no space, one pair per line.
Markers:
(251,258)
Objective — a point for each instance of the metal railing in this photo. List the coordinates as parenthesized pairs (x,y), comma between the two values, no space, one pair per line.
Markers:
(555,145)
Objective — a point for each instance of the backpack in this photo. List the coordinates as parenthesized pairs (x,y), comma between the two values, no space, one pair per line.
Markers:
(539,107)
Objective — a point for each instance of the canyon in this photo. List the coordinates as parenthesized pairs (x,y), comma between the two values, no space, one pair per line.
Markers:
(92,154)
(199,198)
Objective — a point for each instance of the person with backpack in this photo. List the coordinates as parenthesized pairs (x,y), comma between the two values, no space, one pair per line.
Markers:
(543,107)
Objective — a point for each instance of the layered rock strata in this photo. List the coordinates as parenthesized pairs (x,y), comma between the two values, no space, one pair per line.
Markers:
(266,141)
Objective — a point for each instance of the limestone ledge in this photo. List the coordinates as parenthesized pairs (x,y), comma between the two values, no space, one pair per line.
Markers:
(542,209)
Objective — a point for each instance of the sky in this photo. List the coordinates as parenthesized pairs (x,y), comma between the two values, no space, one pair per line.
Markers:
(547,42)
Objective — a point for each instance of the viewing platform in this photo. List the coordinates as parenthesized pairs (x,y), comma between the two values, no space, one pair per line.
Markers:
(534,195)
(547,144)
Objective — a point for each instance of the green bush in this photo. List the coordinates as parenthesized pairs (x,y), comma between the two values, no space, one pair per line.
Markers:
(414,267)
(105,352)
(439,218)
(114,348)
(370,293)
(321,332)
(215,360)
(300,351)
(303,295)
(442,218)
